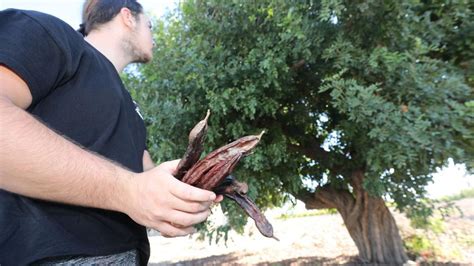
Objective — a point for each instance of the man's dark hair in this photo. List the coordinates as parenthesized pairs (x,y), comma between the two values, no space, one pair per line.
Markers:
(97,12)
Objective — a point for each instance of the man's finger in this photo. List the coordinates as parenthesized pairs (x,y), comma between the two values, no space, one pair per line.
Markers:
(189,206)
(219,198)
(169,230)
(169,166)
(189,193)
(185,219)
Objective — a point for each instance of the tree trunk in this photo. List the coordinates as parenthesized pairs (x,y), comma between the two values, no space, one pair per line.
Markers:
(368,220)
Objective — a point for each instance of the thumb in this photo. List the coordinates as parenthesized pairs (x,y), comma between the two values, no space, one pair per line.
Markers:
(169,166)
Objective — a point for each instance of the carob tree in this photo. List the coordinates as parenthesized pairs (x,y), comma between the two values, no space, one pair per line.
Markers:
(361,101)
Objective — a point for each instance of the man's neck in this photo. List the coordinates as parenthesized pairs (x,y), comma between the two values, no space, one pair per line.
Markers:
(109,44)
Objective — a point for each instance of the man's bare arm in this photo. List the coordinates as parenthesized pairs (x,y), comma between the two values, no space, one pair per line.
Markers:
(38,163)
(33,164)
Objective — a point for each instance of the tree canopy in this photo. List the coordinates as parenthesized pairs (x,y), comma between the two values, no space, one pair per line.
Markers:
(380,87)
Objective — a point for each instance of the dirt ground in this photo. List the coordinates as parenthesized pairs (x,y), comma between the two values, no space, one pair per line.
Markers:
(311,240)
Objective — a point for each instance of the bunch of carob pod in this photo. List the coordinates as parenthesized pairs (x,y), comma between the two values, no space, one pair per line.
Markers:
(213,172)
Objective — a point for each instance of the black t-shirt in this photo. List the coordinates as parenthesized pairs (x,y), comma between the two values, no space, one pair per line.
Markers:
(78,93)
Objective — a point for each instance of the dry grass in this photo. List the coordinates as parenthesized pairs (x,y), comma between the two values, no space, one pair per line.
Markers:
(312,240)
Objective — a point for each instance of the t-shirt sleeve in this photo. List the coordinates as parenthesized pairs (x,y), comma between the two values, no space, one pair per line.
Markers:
(28,49)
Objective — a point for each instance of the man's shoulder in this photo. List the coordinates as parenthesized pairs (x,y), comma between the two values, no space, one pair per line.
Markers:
(49,22)
(40,17)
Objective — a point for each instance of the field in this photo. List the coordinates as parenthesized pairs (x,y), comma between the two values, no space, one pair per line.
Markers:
(308,238)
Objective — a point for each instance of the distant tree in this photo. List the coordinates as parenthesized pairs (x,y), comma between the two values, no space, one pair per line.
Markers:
(361,101)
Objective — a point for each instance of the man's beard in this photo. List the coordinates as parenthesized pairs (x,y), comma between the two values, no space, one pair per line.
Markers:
(131,47)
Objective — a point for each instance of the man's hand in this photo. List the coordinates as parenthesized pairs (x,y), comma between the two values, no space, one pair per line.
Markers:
(147,161)
(160,201)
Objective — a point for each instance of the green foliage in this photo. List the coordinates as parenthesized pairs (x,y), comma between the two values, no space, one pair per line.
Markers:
(466,240)
(339,86)
(435,225)
(286,216)
(463,194)
(430,214)
(420,245)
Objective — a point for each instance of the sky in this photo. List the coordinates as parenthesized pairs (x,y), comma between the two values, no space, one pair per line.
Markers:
(70,10)
(447,181)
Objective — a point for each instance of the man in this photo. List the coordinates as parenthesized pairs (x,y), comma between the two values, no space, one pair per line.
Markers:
(76,182)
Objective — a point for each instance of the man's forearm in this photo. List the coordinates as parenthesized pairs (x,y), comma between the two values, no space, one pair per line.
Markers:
(37,162)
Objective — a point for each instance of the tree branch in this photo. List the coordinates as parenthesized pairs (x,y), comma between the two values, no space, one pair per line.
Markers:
(298,65)
(313,151)
(356,180)
(361,196)
(311,202)
(327,197)
(311,148)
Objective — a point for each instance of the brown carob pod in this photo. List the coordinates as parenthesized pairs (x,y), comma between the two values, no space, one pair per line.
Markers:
(237,191)
(195,147)
(254,212)
(209,172)
(213,171)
